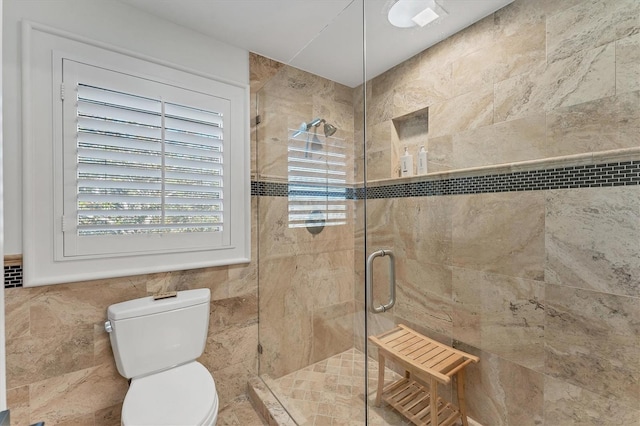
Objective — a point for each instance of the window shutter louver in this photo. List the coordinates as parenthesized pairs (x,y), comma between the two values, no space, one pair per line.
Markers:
(147,166)
(317,180)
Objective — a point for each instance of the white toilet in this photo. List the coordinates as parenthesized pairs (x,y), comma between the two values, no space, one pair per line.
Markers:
(155,344)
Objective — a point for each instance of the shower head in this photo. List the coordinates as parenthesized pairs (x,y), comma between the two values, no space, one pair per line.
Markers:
(329,129)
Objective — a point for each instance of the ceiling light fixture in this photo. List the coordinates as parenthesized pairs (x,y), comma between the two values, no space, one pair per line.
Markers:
(409,13)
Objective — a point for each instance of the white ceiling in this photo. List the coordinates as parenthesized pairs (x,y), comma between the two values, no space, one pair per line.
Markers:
(324,37)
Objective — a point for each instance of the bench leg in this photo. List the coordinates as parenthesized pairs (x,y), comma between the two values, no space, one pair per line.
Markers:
(462,405)
(380,378)
(434,402)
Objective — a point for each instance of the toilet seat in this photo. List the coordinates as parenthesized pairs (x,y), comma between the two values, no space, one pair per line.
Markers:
(184,395)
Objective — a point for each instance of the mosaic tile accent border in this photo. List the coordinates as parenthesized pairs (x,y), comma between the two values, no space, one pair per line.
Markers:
(621,173)
(273,189)
(13,276)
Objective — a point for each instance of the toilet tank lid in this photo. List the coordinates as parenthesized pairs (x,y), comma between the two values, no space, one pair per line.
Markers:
(148,306)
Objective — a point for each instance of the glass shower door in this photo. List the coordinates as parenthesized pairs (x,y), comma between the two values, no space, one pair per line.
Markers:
(304,182)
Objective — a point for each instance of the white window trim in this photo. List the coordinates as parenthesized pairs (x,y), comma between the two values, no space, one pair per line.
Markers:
(42,206)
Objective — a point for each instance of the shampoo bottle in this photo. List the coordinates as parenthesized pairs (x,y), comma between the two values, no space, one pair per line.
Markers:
(422,161)
(406,163)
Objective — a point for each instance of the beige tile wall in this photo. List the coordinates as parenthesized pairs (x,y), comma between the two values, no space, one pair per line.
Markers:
(60,366)
(541,285)
(505,276)
(306,291)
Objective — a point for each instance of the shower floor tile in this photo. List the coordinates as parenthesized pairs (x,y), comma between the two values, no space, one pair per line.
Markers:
(330,392)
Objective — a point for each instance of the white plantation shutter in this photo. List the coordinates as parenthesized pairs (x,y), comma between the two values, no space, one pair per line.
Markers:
(317,180)
(144,162)
(146,166)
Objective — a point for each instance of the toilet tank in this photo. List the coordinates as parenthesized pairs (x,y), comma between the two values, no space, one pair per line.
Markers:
(150,335)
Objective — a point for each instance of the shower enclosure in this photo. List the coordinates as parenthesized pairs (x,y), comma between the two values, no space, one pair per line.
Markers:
(520,245)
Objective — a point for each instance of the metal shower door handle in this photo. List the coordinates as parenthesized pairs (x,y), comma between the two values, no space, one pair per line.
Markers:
(392,281)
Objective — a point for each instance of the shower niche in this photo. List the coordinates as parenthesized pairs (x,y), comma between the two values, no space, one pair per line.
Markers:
(410,131)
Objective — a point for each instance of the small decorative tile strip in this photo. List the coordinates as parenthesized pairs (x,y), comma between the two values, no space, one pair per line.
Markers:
(585,176)
(13,276)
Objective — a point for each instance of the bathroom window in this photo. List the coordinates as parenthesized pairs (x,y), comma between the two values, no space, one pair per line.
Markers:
(132,166)
(317,180)
(149,164)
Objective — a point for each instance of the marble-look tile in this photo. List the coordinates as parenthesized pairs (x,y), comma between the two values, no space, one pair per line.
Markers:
(434,85)
(565,404)
(520,17)
(211,278)
(34,358)
(229,347)
(628,64)
(506,142)
(600,125)
(433,310)
(81,420)
(605,254)
(332,330)
(500,233)
(422,228)
(464,112)
(83,392)
(481,34)
(283,306)
(279,116)
(295,84)
(500,392)
(440,154)
(589,333)
(380,108)
(110,416)
(261,70)
(231,381)
(18,403)
(379,137)
(240,412)
(425,276)
(500,314)
(583,77)
(267,404)
(79,304)
(278,239)
(553,7)
(400,74)
(590,24)
(380,166)
(510,56)
(234,312)
(243,279)
(17,310)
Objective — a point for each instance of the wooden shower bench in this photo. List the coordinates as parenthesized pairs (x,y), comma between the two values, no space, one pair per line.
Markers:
(429,361)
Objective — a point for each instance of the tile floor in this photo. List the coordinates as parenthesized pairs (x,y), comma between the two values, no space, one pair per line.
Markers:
(330,392)
(239,413)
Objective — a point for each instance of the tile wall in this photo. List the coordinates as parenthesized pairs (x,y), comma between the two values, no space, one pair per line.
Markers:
(541,284)
(60,366)
(306,292)
(535,272)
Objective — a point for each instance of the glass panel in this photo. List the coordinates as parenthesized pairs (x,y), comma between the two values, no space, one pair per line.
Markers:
(500,246)
(309,308)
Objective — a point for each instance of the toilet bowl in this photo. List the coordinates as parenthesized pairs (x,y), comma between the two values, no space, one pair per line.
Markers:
(184,395)
(155,344)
